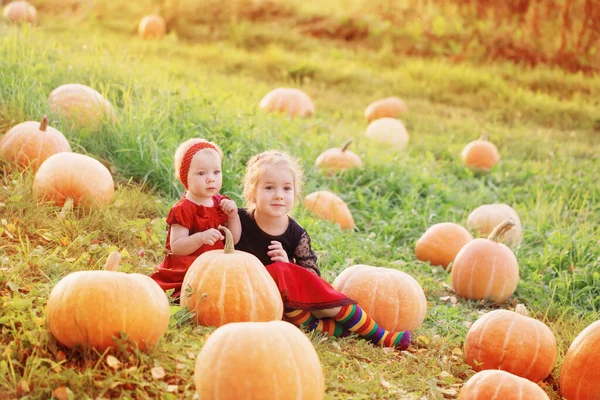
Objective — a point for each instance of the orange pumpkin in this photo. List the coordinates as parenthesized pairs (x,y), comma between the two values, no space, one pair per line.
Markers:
(73,179)
(392,298)
(495,384)
(486,269)
(152,26)
(20,12)
(480,155)
(31,143)
(388,132)
(294,102)
(89,308)
(513,342)
(338,159)
(441,242)
(81,104)
(329,207)
(389,107)
(580,371)
(223,286)
(485,218)
(259,361)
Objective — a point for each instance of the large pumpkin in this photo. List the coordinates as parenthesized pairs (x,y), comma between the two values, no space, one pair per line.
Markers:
(259,361)
(392,298)
(89,308)
(328,206)
(81,104)
(480,155)
(389,107)
(486,269)
(485,218)
(338,159)
(388,132)
(513,342)
(441,242)
(223,286)
(580,371)
(71,178)
(293,102)
(20,12)
(152,26)
(31,143)
(501,385)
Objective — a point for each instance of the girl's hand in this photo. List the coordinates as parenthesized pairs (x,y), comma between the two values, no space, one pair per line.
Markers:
(211,236)
(228,207)
(277,253)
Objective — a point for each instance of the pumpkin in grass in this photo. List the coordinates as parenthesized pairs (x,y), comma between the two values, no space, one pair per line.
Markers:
(90,308)
(513,342)
(392,298)
(580,371)
(388,132)
(485,218)
(20,12)
(441,242)
(259,361)
(293,102)
(69,179)
(81,104)
(500,385)
(389,107)
(481,154)
(328,206)
(31,143)
(338,159)
(152,26)
(223,286)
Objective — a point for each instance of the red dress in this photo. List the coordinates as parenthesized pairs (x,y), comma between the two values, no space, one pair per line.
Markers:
(170,273)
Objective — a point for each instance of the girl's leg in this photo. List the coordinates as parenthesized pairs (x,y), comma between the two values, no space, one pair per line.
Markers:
(304,318)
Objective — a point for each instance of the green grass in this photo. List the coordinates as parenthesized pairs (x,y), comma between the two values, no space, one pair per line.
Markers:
(544,122)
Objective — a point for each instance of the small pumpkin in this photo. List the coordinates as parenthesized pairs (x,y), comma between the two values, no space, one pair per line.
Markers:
(259,360)
(392,298)
(496,384)
(223,286)
(20,12)
(69,179)
(152,26)
(81,104)
(293,102)
(441,243)
(329,207)
(90,308)
(481,154)
(485,218)
(580,371)
(513,342)
(388,132)
(338,159)
(389,107)
(486,268)
(31,143)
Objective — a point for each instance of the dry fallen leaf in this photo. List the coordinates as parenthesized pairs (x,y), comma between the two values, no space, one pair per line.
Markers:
(61,393)
(113,362)
(60,356)
(457,351)
(172,388)
(451,392)
(158,372)
(24,386)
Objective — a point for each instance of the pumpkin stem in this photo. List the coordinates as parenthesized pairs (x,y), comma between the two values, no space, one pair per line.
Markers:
(229,249)
(346,145)
(112,262)
(68,206)
(44,123)
(484,136)
(498,233)
(521,309)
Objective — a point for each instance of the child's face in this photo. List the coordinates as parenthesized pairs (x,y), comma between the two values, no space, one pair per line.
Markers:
(275,193)
(204,176)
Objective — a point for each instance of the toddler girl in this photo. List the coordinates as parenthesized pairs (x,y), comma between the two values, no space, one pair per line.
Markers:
(271,186)
(193,220)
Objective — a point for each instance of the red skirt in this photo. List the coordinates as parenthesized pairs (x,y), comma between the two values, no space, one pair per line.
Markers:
(303,290)
(169,274)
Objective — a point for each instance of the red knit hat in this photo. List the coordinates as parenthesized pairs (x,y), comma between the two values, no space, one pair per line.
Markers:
(187,160)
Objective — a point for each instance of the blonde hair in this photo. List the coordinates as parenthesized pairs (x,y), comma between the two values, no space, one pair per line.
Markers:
(185,146)
(270,159)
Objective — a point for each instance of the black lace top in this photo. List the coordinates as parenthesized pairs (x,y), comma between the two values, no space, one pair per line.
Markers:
(295,242)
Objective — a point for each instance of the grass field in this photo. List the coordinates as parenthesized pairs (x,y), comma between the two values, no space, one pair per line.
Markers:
(544,121)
